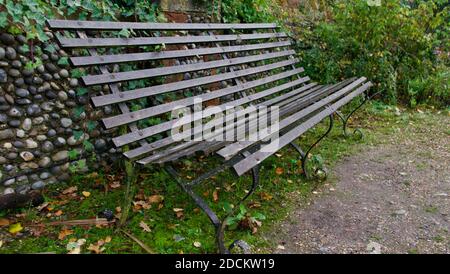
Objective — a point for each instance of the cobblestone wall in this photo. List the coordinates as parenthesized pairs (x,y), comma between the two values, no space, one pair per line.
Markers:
(39,116)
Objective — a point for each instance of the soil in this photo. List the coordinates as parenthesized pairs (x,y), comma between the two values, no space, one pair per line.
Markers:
(393,197)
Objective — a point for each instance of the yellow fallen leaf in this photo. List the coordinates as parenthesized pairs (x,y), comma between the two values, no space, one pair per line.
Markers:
(1,244)
(97,249)
(15,228)
(108,239)
(155,199)
(86,194)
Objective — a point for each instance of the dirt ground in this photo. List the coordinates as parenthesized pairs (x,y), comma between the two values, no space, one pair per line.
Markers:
(393,197)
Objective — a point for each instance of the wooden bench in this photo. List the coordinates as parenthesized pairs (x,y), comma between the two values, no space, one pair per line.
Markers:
(221,65)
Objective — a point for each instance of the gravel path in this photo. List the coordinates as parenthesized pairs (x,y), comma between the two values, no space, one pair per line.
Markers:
(390,198)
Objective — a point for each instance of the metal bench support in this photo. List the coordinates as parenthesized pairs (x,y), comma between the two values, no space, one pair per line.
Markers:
(219,225)
(304,155)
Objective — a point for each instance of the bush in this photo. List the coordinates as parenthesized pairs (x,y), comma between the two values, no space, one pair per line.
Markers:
(402,48)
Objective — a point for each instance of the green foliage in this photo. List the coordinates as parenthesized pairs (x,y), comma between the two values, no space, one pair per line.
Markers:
(28,16)
(402,48)
(249,11)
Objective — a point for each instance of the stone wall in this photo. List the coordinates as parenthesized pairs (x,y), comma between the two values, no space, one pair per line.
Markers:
(39,114)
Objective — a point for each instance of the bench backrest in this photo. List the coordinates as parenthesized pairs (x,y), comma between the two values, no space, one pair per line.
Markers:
(220,64)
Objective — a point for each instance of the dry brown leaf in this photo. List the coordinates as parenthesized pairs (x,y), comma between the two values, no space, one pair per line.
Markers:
(179,212)
(97,249)
(155,199)
(58,213)
(144,226)
(254,205)
(4,222)
(70,190)
(115,184)
(64,233)
(266,196)
(118,209)
(279,170)
(215,196)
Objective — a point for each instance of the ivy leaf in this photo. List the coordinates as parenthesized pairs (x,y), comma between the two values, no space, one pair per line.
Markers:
(63,61)
(91,125)
(78,111)
(73,154)
(81,91)
(3,19)
(88,146)
(77,134)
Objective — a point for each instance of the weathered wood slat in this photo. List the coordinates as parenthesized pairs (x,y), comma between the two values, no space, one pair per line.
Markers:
(147,41)
(234,148)
(257,157)
(105,25)
(149,131)
(163,71)
(123,119)
(145,56)
(188,101)
(159,89)
(138,152)
(114,88)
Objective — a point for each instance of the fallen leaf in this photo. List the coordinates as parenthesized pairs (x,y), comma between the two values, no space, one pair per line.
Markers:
(215,196)
(108,239)
(155,199)
(118,209)
(1,244)
(278,155)
(96,248)
(279,170)
(266,196)
(197,244)
(280,247)
(254,205)
(58,213)
(86,194)
(42,206)
(179,212)
(74,246)
(15,228)
(64,233)
(4,222)
(144,226)
(141,204)
(114,185)
(70,190)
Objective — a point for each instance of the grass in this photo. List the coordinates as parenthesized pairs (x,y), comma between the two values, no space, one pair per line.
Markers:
(281,182)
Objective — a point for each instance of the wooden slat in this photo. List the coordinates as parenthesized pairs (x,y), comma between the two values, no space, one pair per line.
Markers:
(138,152)
(105,25)
(123,119)
(114,88)
(163,71)
(265,151)
(145,56)
(234,148)
(159,89)
(133,136)
(147,41)
(204,97)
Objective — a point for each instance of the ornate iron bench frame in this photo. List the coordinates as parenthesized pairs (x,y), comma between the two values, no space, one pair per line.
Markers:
(302,105)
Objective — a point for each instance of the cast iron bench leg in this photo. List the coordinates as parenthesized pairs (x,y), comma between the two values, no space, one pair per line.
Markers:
(218,224)
(356,132)
(304,155)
